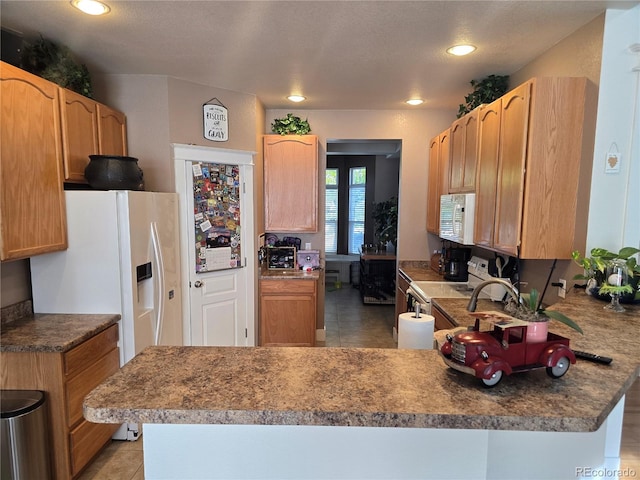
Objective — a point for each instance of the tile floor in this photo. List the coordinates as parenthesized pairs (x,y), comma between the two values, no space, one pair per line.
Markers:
(352,324)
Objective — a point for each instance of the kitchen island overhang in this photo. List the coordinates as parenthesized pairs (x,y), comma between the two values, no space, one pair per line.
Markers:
(227,412)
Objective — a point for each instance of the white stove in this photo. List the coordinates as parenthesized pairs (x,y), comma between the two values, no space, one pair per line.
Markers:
(423,292)
(478,269)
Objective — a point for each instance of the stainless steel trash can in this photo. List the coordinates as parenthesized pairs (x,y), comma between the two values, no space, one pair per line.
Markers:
(23,438)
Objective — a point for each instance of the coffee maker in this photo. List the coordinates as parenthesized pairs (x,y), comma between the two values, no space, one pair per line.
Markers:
(455,264)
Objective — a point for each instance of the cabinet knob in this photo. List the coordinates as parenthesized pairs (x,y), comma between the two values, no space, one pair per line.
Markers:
(198,284)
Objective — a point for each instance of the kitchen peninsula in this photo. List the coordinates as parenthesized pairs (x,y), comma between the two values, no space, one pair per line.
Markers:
(373,413)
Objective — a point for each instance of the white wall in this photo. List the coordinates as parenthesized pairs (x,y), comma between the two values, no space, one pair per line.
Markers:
(614,213)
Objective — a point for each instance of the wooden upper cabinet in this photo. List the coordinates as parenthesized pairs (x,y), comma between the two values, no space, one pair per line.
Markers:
(88,128)
(487,173)
(291,183)
(538,171)
(433,187)
(510,183)
(438,181)
(32,211)
(79,133)
(464,153)
(112,131)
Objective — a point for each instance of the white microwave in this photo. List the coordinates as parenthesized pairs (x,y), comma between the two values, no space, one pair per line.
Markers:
(457,212)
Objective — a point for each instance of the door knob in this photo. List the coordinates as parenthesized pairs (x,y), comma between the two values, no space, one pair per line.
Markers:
(198,284)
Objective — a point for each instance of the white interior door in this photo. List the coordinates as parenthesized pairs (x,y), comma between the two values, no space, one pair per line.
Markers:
(220,304)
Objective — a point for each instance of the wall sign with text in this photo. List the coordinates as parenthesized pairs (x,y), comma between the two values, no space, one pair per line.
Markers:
(215,120)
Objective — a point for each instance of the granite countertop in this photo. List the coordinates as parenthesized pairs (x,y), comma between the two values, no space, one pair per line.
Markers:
(373,387)
(42,332)
(419,271)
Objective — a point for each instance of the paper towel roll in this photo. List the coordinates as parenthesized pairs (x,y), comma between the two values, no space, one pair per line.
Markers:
(415,333)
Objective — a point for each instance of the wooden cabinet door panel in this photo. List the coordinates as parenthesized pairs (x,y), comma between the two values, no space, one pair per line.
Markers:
(288,320)
(112,131)
(32,208)
(456,164)
(79,133)
(470,150)
(487,173)
(291,183)
(79,386)
(86,440)
(441,321)
(433,188)
(513,149)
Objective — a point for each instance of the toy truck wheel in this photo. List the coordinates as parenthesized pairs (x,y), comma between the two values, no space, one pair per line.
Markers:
(493,380)
(560,368)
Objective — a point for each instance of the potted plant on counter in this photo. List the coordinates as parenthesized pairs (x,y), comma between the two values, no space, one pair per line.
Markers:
(385,217)
(595,273)
(530,310)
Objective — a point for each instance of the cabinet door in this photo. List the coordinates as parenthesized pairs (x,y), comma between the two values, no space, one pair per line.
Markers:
(288,312)
(32,211)
(291,183)
(79,133)
(456,163)
(487,173)
(438,182)
(112,131)
(433,188)
(470,150)
(513,147)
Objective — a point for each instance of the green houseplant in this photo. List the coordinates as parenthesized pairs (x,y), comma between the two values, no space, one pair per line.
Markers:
(484,91)
(595,267)
(56,64)
(385,217)
(530,310)
(290,125)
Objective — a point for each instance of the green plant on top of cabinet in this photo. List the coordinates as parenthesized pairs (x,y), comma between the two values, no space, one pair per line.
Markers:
(438,181)
(32,209)
(538,176)
(291,183)
(464,153)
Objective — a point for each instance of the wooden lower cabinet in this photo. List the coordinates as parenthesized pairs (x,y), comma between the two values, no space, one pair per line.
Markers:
(66,378)
(288,312)
(441,321)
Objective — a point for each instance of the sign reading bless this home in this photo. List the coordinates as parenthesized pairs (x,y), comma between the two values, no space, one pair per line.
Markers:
(216,121)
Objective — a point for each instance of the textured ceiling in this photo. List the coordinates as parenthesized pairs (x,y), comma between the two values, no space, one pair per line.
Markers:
(341,55)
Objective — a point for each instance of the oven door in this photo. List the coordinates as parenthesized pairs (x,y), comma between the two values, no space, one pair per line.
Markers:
(414,299)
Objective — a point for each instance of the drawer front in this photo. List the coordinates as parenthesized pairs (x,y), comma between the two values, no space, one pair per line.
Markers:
(86,441)
(79,386)
(289,287)
(84,354)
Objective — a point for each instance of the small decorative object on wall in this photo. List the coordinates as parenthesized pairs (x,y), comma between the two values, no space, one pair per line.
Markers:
(56,64)
(215,119)
(290,125)
(484,91)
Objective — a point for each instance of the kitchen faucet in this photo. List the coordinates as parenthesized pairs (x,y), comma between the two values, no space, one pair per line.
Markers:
(511,290)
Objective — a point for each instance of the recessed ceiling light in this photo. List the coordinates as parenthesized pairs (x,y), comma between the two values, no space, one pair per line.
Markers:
(415,101)
(91,7)
(461,50)
(296,98)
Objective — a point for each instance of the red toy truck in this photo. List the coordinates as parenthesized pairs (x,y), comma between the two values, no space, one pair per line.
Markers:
(505,349)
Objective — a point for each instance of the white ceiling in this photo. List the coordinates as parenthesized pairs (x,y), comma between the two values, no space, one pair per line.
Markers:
(340,54)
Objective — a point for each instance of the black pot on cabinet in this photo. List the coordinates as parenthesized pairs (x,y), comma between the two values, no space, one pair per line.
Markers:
(114,172)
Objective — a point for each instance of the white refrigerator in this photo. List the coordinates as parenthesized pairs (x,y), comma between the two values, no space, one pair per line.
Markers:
(123,257)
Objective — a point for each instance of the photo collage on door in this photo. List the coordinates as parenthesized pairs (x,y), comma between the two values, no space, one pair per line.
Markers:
(216,205)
